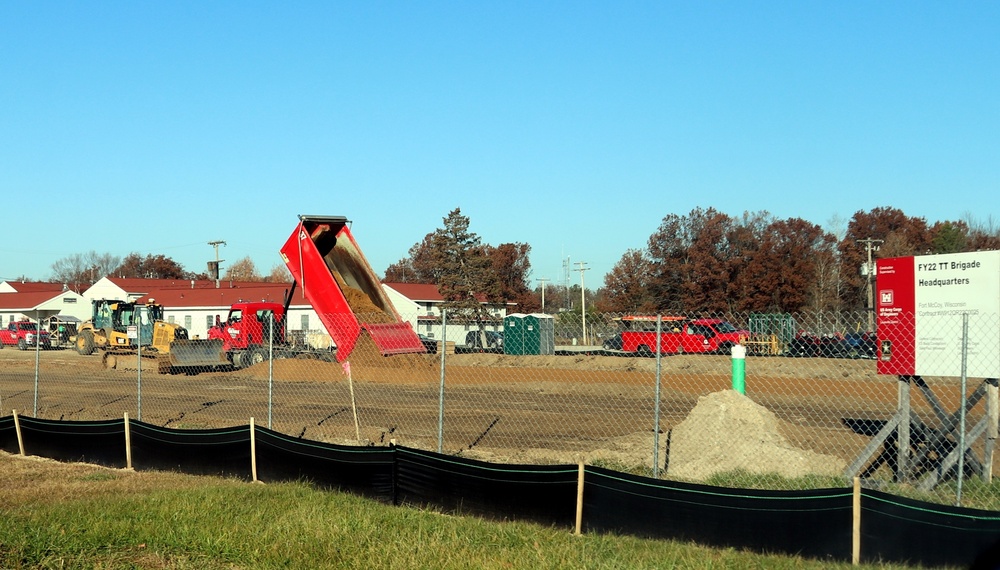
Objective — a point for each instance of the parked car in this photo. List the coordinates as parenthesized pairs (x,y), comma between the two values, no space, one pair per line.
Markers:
(863,345)
(430,344)
(851,345)
(487,341)
(613,343)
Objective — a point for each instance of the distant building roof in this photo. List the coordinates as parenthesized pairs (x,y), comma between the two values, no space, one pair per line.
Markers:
(417,291)
(34,286)
(138,285)
(26,301)
(178,297)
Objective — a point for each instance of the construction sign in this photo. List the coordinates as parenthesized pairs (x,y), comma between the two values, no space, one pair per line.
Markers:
(920,304)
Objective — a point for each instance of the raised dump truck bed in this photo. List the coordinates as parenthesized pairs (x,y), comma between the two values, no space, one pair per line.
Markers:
(341,286)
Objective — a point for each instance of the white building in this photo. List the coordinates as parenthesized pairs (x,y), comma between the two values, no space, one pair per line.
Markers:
(420,305)
(33,300)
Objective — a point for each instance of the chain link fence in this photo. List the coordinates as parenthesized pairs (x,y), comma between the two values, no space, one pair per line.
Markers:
(608,390)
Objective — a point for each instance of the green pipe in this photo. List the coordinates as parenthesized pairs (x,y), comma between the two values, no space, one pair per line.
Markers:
(739,369)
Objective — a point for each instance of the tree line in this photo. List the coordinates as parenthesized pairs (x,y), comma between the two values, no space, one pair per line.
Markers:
(703,262)
(81,269)
(707,261)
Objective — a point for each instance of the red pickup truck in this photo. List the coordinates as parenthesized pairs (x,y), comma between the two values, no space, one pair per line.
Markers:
(24,334)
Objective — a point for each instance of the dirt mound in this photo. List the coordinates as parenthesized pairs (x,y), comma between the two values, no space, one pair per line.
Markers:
(726,431)
(367,363)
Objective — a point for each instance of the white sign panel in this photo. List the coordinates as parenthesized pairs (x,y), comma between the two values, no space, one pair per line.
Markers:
(921,304)
(948,286)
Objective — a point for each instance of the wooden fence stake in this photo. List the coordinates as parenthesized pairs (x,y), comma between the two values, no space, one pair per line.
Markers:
(128,444)
(17,428)
(579,500)
(253,450)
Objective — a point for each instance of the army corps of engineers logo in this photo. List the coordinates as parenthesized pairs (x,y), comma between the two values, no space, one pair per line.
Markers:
(885,297)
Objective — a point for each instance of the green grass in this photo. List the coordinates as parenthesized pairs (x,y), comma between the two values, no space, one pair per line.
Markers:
(77,516)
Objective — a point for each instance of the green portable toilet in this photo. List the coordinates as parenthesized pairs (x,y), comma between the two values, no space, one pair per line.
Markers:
(529,334)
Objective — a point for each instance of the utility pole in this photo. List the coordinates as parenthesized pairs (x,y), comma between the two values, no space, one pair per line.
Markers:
(871,245)
(542,280)
(216,266)
(583,298)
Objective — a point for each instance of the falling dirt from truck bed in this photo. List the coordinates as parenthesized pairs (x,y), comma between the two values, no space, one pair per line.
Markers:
(361,304)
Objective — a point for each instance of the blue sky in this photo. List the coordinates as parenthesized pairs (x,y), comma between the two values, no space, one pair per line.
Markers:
(156,127)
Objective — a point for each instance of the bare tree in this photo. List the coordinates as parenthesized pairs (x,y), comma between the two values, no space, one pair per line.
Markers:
(279,274)
(242,270)
(85,268)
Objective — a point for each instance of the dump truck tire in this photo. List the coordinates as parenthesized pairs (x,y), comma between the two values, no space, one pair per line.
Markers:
(85,343)
(255,356)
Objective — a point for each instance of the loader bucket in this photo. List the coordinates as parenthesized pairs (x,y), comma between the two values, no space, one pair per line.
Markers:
(192,353)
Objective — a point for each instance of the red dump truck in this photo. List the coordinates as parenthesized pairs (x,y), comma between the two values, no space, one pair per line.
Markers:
(333,275)
(336,279)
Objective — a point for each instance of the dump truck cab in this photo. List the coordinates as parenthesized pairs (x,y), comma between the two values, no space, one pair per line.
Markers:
(249,325)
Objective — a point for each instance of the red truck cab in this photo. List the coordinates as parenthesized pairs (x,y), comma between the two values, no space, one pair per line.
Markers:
(679,335)
(23,334)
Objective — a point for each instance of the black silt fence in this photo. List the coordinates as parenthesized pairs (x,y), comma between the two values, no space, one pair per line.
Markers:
(814,523)
(542,493)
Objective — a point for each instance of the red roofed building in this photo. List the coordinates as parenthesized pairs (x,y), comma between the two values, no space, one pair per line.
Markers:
(40,303)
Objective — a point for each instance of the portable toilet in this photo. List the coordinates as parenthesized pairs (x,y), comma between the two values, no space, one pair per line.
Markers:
(529,334)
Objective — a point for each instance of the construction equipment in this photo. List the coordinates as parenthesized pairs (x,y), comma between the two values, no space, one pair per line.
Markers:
(121,330)
(108,328)
(254,332)
(335,277)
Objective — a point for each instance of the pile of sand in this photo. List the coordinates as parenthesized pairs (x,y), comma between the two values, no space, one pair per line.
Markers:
(727,431)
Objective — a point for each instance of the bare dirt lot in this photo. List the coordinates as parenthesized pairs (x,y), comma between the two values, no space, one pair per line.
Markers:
(497,407)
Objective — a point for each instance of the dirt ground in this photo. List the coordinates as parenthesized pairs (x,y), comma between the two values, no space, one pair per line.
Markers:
(522,409)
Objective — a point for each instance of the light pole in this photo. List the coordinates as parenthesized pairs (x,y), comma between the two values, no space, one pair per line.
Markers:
(542,280)
(583,298)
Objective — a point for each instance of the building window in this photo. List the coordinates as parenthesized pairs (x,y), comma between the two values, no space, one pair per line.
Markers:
(305,322)
(208,322)
(170,319)
(427,328)
(187,322)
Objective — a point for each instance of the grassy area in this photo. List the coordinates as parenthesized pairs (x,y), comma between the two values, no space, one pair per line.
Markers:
(80,516)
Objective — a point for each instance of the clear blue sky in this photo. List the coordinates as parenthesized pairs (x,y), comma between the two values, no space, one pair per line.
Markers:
(156,127)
